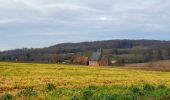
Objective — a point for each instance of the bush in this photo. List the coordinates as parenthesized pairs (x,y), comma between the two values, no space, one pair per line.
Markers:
(162,87)
(7,96)
(148,87)
(28,92)
(87,94)
(162,90)
(134,89)
(74,98)
(50,87)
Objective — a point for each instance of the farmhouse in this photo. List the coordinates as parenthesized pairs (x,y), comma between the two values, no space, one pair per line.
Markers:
(99,59)
(80,59)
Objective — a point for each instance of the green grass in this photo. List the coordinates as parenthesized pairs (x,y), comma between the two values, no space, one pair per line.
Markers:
(63,82)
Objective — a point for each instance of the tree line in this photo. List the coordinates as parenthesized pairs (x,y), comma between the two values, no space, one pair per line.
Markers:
(124,51)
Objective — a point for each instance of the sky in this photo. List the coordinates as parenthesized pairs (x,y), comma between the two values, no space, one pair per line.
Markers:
(42,23)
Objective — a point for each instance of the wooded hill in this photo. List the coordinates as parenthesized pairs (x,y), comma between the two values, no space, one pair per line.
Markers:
(125,51)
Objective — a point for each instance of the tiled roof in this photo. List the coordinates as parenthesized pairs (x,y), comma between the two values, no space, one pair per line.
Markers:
(96,56)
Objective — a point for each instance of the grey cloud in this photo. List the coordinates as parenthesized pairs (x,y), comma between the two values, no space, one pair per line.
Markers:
(92,19)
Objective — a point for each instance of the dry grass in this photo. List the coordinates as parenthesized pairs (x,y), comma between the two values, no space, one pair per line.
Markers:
(155,66)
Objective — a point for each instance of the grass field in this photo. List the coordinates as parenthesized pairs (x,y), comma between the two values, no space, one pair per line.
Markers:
(28,81)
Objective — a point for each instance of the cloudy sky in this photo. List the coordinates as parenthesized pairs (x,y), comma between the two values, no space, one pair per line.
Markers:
(40,23)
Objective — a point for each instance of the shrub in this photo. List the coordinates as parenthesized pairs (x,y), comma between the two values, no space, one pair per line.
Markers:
(148,87)
(7,96)
(74,98)
(162,90)
(87,94)
(50,87)
(162,87)
(134,89)
(28,92)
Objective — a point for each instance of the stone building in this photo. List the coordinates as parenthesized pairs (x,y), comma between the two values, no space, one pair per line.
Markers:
(99,59)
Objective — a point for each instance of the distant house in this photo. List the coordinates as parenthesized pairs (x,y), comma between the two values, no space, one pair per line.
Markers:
(80,59)
(99,59)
